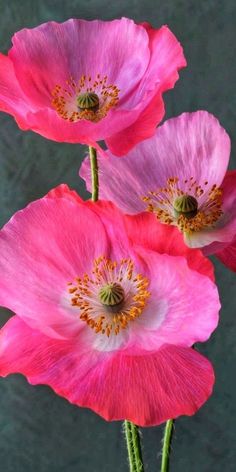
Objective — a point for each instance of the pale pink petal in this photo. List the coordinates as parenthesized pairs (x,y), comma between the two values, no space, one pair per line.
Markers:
(223,233)
(191,145)
(43,248)
(145,389)
(189,304)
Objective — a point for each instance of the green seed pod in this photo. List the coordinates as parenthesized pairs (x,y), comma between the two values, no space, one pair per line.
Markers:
(185,205)
(88,101)
(112,294)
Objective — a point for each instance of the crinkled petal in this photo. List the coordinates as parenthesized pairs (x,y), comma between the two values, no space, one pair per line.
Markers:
(45,56)
(214,239)
(189,304)
(63,191)
(120,143)
(191,145)
(228,256)
(43,248)
(145,389)
(162,73)
(12,98)
(144,230)
(108,213)
(140,61)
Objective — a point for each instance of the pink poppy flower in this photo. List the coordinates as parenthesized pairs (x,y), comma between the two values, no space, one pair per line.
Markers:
(86,81)
(179,175)
(105,321)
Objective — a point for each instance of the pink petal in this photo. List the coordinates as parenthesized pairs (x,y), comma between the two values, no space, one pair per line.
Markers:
(44,247)
(228,256)
(142,62)
(45,56)
(166,59)
(12,98)
(107,212)
(63,191)
(193,144)
(120,143)
(145,389)
(144,230)
(215,239)
(191,303)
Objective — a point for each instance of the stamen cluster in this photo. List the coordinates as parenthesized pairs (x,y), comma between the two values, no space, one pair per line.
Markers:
(66,99)
(86,295)
(209,202)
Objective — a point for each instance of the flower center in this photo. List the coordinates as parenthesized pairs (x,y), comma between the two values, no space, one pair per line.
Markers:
(112,297)
(86,99)
(186,204)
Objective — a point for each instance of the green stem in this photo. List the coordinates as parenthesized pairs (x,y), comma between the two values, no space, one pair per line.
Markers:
(134,447)
(166,445)
(94,172)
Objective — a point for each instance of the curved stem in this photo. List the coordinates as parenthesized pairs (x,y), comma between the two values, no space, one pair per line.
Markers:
(94,172)
(134,447)
(166,445)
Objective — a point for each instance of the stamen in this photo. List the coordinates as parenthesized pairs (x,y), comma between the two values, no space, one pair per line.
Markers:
(186,204)
(112,297)
(85,99)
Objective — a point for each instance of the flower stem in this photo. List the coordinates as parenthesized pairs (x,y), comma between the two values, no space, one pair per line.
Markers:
(134,447)
(166,445)
(94,172)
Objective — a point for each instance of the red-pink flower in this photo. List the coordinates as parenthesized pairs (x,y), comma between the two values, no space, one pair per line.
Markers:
(103,319)
(180,175)
(86,81)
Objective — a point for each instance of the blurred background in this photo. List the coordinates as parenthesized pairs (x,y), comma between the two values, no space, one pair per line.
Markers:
(40,431)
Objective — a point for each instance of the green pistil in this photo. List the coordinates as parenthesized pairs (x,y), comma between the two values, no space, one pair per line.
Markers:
(88,101)
(111,294)
(185,205)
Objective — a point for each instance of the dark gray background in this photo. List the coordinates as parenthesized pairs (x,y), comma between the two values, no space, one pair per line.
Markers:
(42,432)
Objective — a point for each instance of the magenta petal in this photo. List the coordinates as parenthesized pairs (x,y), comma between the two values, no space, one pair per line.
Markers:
(107,212)
(228,256)
(43,248)
(144,230)
(145,389)
(12,98)
(162,73)
(144,127)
